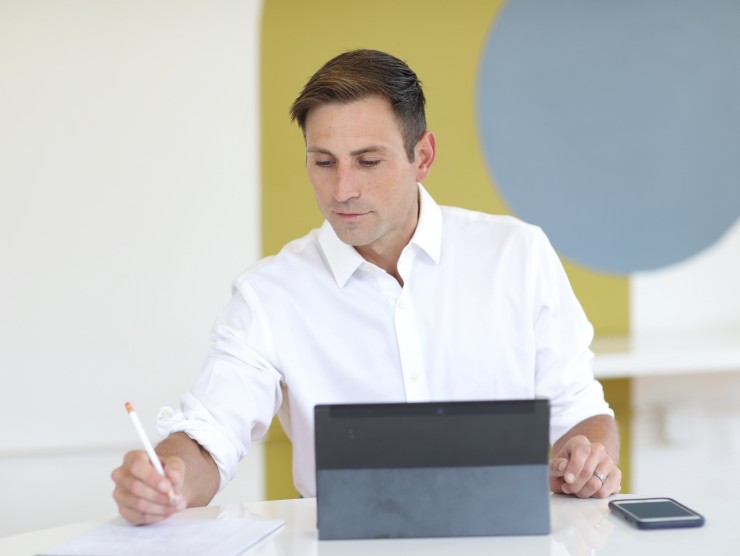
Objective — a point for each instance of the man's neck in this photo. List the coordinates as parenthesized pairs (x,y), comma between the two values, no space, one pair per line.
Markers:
(387,256)
(386,260)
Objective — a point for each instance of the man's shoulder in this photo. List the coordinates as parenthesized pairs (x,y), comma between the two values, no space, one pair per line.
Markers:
(457,218)
(299,254)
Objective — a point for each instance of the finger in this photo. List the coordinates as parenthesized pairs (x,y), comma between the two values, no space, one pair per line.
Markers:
(140,491)
(130,504)
(580,471)
(578,457)
(138,463)
(612,484)
(146,482)
(174,470)
(556,485)
(595,487)
(557,467)
(132,477)
(561,464)
(133,493)
(587,489)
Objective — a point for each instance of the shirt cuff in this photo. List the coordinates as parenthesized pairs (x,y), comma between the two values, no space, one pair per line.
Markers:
(195,421)
(586,403)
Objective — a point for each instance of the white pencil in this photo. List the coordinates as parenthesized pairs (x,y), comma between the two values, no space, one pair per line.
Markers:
(147,445)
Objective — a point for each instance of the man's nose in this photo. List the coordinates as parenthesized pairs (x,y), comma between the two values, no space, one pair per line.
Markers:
(346,186)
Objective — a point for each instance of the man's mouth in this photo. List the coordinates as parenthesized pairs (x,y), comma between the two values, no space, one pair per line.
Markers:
(349,216)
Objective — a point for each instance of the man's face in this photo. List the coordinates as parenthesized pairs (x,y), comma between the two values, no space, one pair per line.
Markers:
(363,181)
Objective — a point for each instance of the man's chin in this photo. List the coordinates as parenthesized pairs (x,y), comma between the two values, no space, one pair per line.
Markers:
(354,238)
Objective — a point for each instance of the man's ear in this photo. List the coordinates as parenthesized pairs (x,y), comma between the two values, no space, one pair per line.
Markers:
(425,152)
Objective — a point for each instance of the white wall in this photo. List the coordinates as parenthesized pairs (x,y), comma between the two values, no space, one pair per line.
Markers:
(130,199)
(686,429)
(700,292)
(49,489)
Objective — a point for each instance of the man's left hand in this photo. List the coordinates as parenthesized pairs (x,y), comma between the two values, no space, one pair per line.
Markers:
(584,469)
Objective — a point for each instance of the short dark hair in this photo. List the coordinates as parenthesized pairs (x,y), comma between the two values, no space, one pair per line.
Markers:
(358,74)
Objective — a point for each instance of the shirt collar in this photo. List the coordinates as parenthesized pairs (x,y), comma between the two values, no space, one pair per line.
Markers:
(344,260)
(428,233)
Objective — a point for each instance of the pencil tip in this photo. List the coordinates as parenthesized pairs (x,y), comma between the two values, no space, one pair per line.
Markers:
(129,407)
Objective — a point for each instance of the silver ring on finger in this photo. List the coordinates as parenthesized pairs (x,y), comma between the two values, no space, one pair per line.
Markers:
(600,476)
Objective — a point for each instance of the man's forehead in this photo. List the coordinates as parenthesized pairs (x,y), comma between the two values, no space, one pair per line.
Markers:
(365,125)
(367,111)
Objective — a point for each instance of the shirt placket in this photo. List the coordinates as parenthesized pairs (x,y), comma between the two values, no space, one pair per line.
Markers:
(415,383)
(409,348)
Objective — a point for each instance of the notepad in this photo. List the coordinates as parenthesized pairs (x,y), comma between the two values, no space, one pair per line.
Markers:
(185,537)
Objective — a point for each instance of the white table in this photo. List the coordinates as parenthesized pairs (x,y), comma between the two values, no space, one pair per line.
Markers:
(579,527)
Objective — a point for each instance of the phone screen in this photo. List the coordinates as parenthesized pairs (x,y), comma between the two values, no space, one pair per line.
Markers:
(655,509)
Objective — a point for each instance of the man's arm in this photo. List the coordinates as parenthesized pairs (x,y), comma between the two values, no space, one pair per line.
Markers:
(142,493)
(587,452)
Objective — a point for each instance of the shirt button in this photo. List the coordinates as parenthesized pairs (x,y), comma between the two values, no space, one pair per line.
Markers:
(414,377)
(165,413)
(402,305)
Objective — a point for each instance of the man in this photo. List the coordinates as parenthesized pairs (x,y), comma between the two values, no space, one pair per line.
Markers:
(393,299)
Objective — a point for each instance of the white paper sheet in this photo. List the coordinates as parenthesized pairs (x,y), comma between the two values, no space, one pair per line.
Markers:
(185,537)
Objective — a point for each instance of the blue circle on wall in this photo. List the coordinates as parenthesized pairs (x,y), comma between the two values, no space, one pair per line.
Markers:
(615,128)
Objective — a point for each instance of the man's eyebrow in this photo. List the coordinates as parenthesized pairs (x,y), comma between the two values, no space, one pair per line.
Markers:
(319,150)
(370,149)
(358,152)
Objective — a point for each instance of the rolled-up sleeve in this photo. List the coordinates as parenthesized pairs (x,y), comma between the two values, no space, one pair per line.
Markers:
(563,335)
(237,393)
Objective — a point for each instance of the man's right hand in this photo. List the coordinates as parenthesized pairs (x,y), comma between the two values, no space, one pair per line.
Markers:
(142,493)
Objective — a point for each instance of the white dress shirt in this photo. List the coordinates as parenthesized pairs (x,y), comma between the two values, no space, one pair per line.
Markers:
(485,312)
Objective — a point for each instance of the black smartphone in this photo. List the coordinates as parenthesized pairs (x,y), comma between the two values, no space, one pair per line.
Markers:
(656,513)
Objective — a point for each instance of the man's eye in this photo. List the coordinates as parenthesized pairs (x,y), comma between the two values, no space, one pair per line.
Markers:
(324,163)
(369,163)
